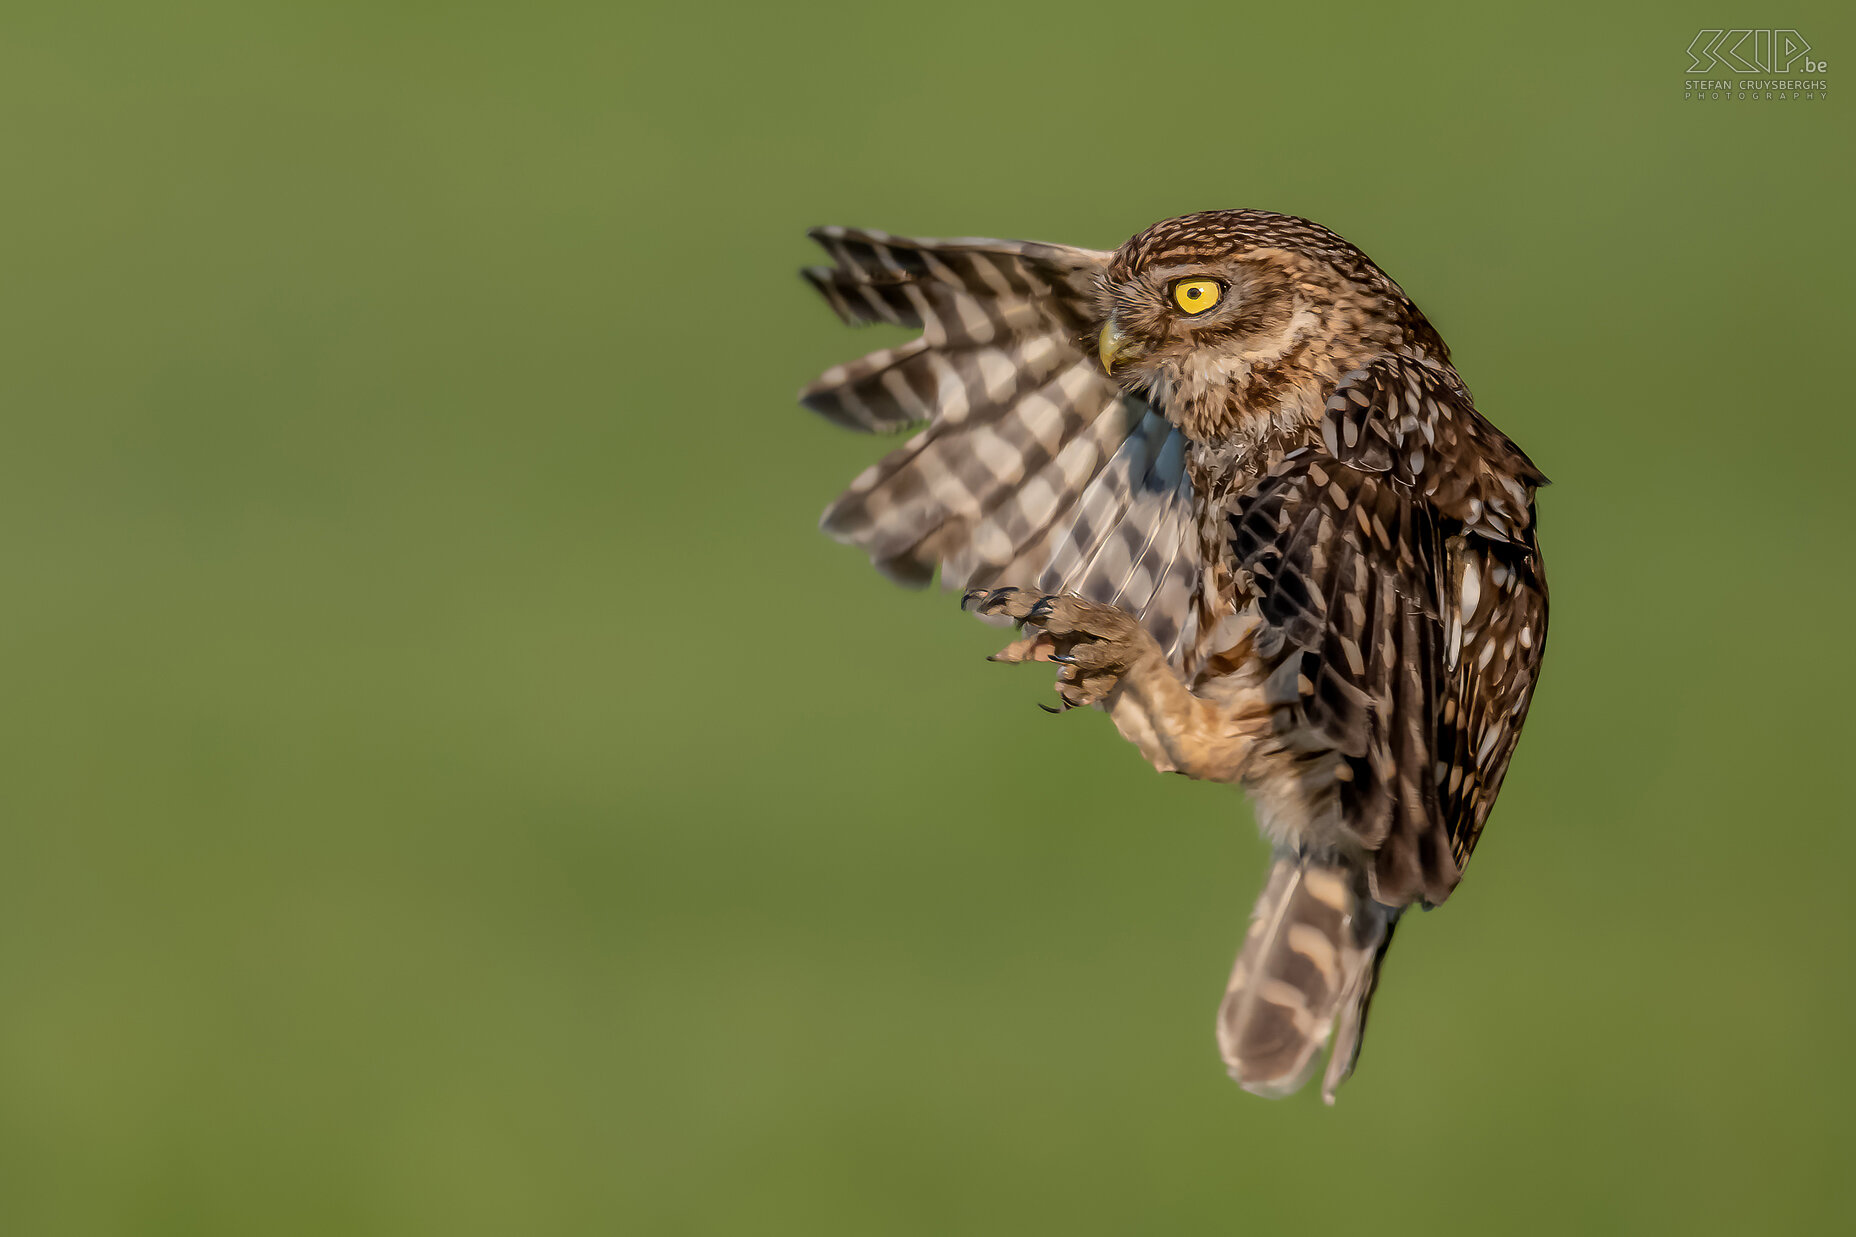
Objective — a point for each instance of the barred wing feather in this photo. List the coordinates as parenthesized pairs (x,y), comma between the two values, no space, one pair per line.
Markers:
(1032,467)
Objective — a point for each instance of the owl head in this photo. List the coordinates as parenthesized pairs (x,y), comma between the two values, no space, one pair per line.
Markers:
(1202,308)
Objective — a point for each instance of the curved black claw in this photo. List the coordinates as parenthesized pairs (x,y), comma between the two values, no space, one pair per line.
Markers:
(983,601)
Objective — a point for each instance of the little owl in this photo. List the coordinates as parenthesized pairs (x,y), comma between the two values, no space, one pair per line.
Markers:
(1226,479)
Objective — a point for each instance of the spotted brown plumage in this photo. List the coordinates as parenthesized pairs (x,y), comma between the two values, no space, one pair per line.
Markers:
(1269,533)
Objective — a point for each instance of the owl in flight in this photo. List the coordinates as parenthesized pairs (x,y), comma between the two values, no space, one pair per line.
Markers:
(1227,481)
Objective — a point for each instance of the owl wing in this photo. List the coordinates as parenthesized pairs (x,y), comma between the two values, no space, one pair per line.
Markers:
(1030,466)
(1402,612)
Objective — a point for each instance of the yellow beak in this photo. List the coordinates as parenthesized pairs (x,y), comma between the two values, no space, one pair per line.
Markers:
(1110,346)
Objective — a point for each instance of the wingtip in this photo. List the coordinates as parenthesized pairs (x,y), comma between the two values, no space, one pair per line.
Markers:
(832,522)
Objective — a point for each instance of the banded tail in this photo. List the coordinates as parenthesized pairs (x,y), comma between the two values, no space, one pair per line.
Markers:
(1310,961)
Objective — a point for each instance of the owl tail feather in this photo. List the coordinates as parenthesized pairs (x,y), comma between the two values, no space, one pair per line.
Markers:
(1310,960)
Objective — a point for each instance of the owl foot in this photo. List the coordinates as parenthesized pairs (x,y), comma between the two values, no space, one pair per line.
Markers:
(1094,644)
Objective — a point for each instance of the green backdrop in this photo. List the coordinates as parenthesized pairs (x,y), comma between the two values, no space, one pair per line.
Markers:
(450,787)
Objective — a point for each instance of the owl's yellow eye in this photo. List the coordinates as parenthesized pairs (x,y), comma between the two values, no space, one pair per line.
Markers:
(1195,296)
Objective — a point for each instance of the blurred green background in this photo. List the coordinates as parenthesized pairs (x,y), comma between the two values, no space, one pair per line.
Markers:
(450,787)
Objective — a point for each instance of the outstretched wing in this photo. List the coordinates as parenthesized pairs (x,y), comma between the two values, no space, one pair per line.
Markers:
(1032,468)
(1403,611)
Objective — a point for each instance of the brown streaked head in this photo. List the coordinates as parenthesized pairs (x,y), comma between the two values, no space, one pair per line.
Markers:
(1209,310)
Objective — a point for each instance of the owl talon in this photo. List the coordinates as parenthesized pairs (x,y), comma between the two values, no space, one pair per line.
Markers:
(1093,644)
(986,601)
